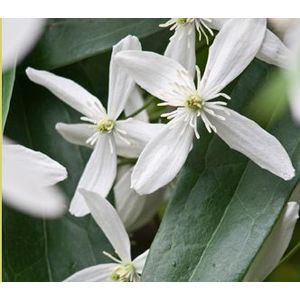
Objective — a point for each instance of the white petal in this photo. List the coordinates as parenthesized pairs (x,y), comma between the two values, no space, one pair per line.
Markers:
(156,74)
(18,37)
(133,209)
(28,179)
(98,273)
(217,23)
(139,262)
(275,245)
(182,47)
(138,134)
(69,92)
(273,51)
(110,223)
(75,133)
(247,137)
(294,97)
(120,84)
(135,102)
(98,175)
(233,49)
(162,158)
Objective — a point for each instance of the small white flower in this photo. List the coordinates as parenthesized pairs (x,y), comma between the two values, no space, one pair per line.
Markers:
(165,154)
(124,268)
(104,133)
(18,37)
(28,181)
(182,43)
(275,245)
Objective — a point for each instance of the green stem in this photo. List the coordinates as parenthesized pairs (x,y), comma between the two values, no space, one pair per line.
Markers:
(126,161)
(147,103)
(290,254)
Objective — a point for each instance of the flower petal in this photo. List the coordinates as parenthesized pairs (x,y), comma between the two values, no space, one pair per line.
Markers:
(120,84)
(135,102)
(133,209)
(182,47)
(245,136)
(162,158)
(75,133)
(217,23)
(139,262)
(69,92)
(98,175)
(98,273)
(231,52)
(156,74)
(275,245)
(28,179)
(273,51)
(138,134)
(110,223)
(18,37)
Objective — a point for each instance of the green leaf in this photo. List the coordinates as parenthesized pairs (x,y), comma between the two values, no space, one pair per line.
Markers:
(8,79)
(224,206)
(66,41)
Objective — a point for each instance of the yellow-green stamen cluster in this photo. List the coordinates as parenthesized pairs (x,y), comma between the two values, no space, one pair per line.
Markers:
(182,21)
(125,273)
(105,125)
(194,102)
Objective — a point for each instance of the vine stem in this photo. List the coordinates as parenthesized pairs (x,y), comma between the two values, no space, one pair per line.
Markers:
(290,254)
(147,103)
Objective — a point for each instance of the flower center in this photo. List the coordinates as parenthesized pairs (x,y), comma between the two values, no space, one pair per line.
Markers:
(105,125)
(182,21)
(194,102)
(124,272)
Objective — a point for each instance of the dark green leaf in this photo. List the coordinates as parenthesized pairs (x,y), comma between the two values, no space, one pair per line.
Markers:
(224,206)
(66,41)
(8,79)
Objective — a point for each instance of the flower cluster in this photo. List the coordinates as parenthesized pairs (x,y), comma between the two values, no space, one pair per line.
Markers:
(161,149)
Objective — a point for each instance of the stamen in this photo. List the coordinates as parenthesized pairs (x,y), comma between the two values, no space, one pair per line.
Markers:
(112,257)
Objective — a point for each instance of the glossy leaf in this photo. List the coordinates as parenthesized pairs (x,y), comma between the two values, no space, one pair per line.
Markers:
(66,41)
(224,206)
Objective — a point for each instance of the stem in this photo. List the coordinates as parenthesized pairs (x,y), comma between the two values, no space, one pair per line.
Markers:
(290,254)
(127,161)
(147,103)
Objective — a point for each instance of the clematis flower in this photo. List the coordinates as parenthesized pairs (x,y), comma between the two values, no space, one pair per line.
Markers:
(18,37)
(182,43)
(103,132)
(165,78)
(28,181)
(275,245)
(123,268)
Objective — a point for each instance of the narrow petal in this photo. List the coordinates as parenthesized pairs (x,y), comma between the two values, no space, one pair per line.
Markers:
(69,92)
(98,273)
(231,52)
(133,209)
(138,134)
(98,175)
(182,47)
(120,84)
(110,223)
(28,179)
(75,133)
(155,73)
(162,158)
(135,102)
(139,262)
(275,245)
(273,51)
(247,137)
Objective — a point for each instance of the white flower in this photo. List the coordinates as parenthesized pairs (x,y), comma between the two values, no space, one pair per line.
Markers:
(105,134)
(275,245)
(18,37)
(166,79)
(28,181)
(123,268)
(182,43)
